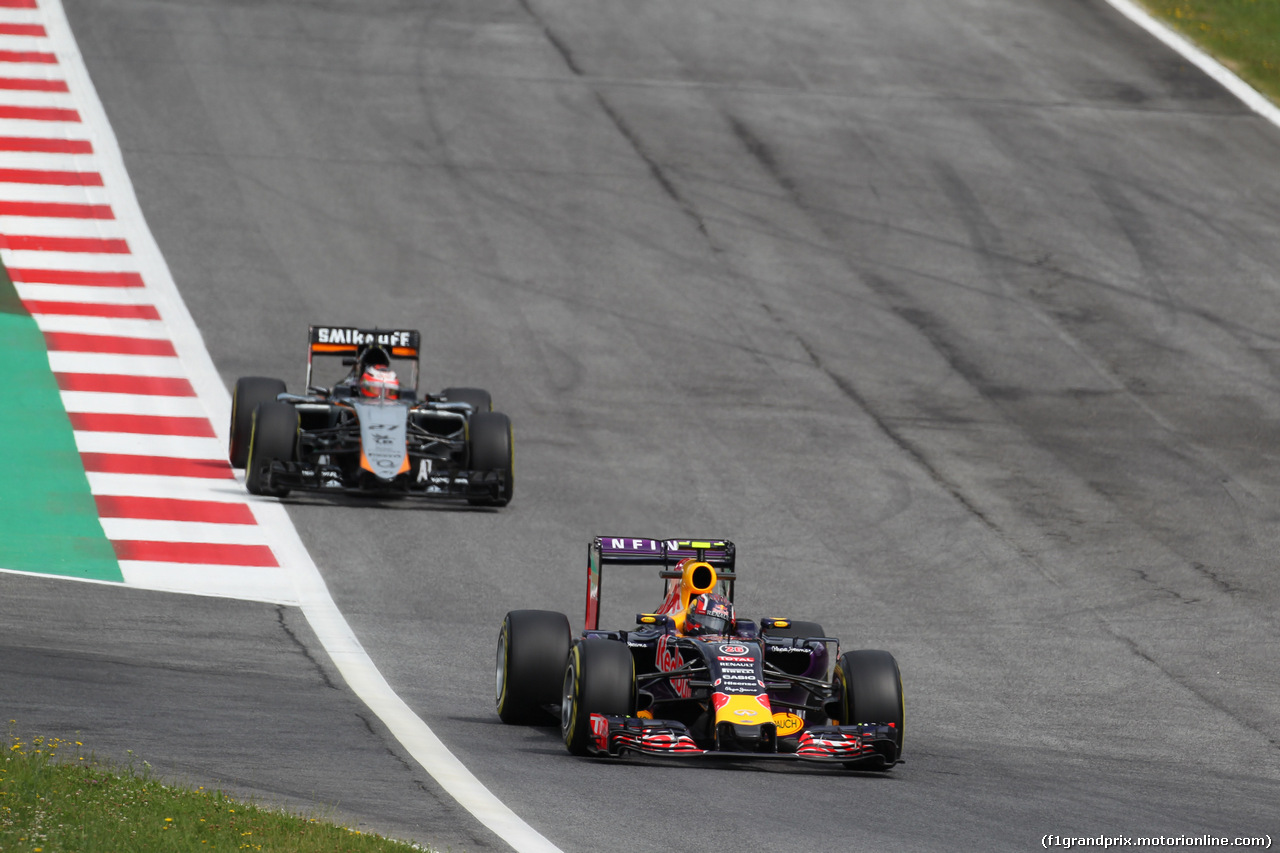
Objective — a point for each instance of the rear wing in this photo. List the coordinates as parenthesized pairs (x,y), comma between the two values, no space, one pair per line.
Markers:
(352,342)
(661,553)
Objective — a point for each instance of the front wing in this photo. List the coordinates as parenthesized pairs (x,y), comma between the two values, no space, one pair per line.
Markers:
(441,484)
(850,746)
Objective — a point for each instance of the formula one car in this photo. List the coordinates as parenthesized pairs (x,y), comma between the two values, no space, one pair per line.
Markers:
(370,433)
(693,680)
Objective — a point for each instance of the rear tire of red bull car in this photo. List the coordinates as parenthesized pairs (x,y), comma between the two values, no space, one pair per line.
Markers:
(600,678)
(532,648)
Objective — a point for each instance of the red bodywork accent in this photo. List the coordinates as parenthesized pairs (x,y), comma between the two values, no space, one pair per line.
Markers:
(669,659)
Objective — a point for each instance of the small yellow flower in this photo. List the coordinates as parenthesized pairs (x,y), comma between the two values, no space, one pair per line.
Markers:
(168,820)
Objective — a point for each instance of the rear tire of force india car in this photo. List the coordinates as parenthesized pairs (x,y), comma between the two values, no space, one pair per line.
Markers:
(248,393)
(870,688)
(478,398)
(274,437)
(493,449)
(600,678)
(532,648)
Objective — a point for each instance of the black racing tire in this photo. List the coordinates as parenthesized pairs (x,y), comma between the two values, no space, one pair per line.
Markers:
(802,630)
(869,684)
(599,678)
(532,648)
(274,437)
(248,393)
(492,446)
(478,398)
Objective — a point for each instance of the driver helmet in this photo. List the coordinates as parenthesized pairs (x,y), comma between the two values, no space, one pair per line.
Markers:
(709,614)
(380,383)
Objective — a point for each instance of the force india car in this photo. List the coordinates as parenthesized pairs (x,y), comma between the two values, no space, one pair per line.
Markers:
(337,439)
(781,689)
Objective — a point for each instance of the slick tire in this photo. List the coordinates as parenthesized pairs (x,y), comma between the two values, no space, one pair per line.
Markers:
(599,678)
(870,687)
(478,398)
(532,648)
(274,437)
(249,392)
(493,449)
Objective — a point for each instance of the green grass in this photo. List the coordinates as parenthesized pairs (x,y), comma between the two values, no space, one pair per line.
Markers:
(56,799)
(1243,35)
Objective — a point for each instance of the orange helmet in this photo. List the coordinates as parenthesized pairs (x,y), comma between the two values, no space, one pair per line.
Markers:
(709,614)
(379,382)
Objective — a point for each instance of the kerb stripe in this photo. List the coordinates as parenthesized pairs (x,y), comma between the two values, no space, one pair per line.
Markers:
(117,383)
(194,552)
(82,278)
(31,84)
(160,466)
(92,309)
(56,210)
(76,342)
(45,176)
(173,509)
(141,424)
(36,243)
(36,30)
(39,113)
(43,145)
(39,57)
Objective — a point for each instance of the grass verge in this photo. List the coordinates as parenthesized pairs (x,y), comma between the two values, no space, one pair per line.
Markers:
(1243,35)
(55,799)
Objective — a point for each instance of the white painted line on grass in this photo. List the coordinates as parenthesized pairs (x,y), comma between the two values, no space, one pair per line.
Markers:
(1251,97)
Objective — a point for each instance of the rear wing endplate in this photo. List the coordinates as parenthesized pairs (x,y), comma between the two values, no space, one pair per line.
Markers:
(662,553)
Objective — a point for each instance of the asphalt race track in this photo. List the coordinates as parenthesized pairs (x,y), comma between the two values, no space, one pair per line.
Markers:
(960,319)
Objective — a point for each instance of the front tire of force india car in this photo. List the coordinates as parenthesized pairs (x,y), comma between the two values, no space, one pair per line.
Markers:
(600,678)
(493,449)
(869,685)
(249,392)
(532,648)
(274,436)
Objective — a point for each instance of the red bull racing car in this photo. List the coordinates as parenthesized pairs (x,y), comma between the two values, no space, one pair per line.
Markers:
(370,432)
(692,679)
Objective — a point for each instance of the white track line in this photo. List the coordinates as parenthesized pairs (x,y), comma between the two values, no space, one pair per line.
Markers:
(1251,97)
(308,587)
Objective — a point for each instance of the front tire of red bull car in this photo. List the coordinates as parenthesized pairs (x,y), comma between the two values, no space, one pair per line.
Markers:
(599,678)
(532,648)
(869,686)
